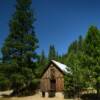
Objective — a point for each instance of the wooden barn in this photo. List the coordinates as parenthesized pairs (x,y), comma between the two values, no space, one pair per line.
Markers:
(52,78)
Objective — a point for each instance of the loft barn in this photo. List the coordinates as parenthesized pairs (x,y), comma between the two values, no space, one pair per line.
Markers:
(53,77)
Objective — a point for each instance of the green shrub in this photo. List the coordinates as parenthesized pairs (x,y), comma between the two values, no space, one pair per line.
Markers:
(4,83)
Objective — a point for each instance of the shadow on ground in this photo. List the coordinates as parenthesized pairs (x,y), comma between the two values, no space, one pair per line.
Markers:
(90,96)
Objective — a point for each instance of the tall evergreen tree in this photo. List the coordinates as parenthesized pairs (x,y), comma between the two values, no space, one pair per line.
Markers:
(80,43)
(75,81)
(83,57)
(92,52)
(41,63)
(20,45)
(42,58)
(73,47)
(52,53)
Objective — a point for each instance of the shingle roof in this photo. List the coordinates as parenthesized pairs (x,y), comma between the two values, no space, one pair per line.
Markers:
(61,66)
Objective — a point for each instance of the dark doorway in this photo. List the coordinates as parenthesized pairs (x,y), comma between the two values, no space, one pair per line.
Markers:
(53,84)
(52,88)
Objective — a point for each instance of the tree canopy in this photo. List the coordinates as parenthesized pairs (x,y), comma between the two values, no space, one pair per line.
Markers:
(83,59)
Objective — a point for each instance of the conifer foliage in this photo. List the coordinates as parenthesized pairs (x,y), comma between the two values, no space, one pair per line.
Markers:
(19,48)
(83,58)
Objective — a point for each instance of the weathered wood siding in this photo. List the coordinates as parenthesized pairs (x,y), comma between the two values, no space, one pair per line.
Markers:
(45,80)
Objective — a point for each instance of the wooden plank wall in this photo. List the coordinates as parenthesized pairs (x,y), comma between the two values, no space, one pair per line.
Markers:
(45,80)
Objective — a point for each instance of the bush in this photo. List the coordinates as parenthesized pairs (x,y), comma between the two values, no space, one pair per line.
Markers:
(68,94)
(51,93)
(34,84)
(90,96)
(4,83)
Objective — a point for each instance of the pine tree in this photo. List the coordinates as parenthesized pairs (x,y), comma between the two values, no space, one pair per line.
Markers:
(83,58)
(75,81)
(92,52)
(41,63)
(73,47)
(52,53)
(20,46)
(80,43)
(42,58)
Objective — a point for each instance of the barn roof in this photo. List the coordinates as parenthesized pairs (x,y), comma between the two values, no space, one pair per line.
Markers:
(61,66)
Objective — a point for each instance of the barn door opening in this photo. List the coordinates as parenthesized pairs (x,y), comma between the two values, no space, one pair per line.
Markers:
(52,88)
(53,84)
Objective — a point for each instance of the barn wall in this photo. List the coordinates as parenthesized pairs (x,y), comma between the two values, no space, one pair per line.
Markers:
(45,80)
(60,84)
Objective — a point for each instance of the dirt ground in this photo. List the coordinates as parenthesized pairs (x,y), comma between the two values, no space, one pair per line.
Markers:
(34,97)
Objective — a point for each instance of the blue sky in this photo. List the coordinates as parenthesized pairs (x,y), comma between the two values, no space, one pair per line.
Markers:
(59,22)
